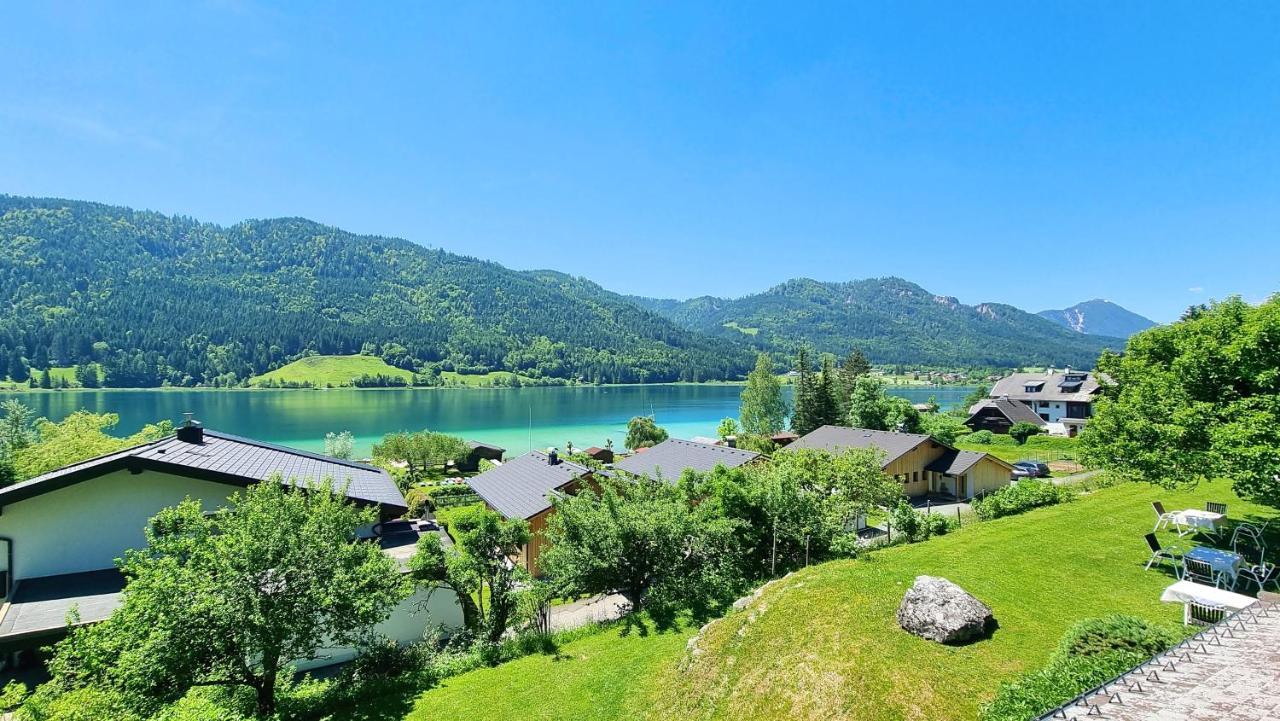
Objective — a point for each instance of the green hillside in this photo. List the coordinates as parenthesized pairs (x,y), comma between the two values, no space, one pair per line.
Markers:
(891,320)
(159,299)
(331,370)
(824,643)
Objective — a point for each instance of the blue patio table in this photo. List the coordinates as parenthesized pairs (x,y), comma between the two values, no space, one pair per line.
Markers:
(1220,560)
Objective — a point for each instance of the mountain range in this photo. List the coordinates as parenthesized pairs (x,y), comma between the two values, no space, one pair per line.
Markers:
(890,319)
(167,299)
(1099,317)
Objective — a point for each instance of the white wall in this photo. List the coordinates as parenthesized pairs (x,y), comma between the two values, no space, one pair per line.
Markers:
(88,525)
(407,624)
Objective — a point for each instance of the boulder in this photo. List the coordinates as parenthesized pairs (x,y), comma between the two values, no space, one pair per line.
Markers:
(939,610)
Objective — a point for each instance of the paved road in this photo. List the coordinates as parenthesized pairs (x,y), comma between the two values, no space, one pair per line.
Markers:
(589,610)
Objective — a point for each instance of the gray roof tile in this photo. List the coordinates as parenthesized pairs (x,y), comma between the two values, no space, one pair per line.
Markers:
(673,456)
(522,486)
(840,438)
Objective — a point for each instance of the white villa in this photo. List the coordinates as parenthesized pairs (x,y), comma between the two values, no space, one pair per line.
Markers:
(61,532)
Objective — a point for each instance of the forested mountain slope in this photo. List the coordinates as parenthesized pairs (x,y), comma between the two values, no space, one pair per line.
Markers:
(891,320)
(160,298)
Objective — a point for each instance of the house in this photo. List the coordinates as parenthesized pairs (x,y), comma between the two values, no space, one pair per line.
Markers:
(672,457)
(920,463)
(1063,400)
(480,451)
(784,438)
(61,532)
(604,455)
(523,487)
(999,414)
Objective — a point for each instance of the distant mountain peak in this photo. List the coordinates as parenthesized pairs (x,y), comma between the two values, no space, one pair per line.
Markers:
(1099,317)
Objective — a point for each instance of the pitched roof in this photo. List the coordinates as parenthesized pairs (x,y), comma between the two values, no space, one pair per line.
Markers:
(481,444)
(673,456)
(954,463)
(522,486)
(1014,386)
(840,438)
(1015,411)
(222,458)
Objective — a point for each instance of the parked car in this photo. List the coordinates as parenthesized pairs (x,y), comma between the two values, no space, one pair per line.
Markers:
(1030,469)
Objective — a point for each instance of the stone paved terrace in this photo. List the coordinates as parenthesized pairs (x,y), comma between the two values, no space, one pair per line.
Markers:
(1230,672)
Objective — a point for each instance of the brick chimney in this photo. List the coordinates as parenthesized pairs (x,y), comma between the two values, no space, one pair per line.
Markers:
(190,431)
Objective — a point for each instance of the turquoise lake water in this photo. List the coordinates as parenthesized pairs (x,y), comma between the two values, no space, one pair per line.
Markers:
(517,419)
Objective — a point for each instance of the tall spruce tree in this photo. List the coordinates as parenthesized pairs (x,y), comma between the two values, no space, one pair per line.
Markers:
(827,394)
(854,367)
(806,416)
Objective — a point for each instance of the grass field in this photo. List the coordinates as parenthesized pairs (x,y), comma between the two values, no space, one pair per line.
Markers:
(484,380)
(331,370)
(1047,449)
(824,643)
(741,329)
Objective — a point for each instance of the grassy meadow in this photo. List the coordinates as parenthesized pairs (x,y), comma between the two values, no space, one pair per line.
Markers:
(331,370)
(824,643)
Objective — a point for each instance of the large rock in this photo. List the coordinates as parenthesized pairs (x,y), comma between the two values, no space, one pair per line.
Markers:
(939,610)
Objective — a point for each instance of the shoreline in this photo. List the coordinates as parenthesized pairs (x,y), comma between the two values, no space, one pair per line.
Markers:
(209,389)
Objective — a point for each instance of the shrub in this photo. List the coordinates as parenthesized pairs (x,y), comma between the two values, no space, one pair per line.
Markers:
(981,438)
(1130,634)
(913,526)
(1091,652)
(1023,430)
(1020,497)
(418,502)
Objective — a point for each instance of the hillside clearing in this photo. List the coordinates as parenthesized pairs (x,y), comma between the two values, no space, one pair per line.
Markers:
(824,643)
(330,370)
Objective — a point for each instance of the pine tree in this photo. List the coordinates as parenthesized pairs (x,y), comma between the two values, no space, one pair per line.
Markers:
(18,369)
(806,416)
(826,395)
(46,379)
(854,367)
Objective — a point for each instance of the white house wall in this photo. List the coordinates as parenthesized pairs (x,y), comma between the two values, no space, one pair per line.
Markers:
(414,616)
(86,526)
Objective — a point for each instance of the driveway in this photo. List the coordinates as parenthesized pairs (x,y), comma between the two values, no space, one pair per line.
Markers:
(596,609)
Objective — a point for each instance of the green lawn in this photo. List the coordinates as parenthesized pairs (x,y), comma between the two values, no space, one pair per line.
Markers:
(733,324)
(331,370)
(824,643)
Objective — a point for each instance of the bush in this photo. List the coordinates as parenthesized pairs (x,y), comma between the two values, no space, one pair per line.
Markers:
(1020,497)
(980,438)
(418,502)
(1092,652)
(1130,634)
(1023,430)
(913,526)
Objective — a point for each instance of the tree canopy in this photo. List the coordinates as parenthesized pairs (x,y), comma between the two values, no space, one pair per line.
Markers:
(644,432)
(763,411)
(1195,400)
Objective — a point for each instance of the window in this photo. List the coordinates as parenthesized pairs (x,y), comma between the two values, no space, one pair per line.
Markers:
(1044,416)
(915,476)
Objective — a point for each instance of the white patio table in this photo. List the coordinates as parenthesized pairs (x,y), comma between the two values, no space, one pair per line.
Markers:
(1221,561)
(1185,592)
(1192,519)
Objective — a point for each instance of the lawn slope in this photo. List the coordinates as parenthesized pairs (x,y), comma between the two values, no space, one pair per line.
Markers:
(331,370)
(824,643)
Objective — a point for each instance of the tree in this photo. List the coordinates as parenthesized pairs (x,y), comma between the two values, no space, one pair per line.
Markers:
(1195,400)
(763,411)
(1022,430)
(868,405)
(339,445)
(977,395)
(420,451)
(643,540)
(728,427)
(854,367)
(826,396)
(78,437)
(87,375)
(943,428)
(19,371)
(643,432)
(230,598)
(477,568)
(16,432)
(46,379)
(804,416)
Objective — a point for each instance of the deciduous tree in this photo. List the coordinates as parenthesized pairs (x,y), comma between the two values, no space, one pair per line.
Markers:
(763,411)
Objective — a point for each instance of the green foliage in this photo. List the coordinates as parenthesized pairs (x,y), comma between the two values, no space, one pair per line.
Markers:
(869,406)
(230,598)
(759,444)
(643,432)
(340,445)
(218,305)
(977,395)
(644,540)
(763,411)
(728,427)
(1092,652)
(477,569)
(1195,400)
(1022,430)
(14,693)
(980,438)
(1020,497)
(420,452)
(943,428)
(79,436)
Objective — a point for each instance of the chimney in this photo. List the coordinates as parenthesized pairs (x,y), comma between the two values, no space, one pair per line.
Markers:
(553,458)
(190,431)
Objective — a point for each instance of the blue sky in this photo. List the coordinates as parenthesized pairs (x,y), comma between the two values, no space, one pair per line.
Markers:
(1031,155)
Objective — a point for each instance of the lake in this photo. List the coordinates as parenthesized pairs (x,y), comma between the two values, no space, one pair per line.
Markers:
(517,419)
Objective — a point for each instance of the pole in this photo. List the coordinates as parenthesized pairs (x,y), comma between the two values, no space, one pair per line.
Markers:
(773,555)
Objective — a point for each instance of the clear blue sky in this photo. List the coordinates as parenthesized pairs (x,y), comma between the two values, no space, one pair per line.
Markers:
(1019,153)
